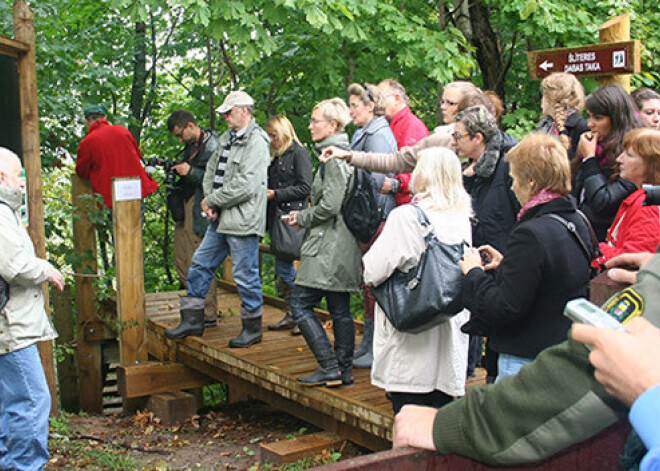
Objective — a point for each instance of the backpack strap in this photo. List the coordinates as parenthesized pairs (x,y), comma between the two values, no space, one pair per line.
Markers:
(570,226)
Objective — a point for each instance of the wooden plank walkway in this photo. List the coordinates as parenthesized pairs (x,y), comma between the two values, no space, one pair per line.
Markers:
(268,371)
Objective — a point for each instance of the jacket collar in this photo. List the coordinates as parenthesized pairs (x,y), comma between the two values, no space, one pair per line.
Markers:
(400,115)
(11,196)
(101,122)
(563,204)
(373,126)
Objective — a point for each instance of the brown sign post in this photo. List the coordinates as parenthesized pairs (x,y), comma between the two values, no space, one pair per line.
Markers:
(613,59)
(593,60)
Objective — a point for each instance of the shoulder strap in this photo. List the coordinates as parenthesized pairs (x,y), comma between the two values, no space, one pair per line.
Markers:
(572,229)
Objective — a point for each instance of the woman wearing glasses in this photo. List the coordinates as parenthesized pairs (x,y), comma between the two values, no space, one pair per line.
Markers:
(367,108)
(452,94)
(329,256)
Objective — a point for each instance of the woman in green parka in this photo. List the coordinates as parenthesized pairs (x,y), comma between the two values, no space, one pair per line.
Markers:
(330,255)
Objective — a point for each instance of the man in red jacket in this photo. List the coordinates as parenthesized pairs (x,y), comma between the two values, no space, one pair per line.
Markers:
(407,128)
(107,152)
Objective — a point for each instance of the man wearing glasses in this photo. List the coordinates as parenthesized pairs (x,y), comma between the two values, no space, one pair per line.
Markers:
(200,144)
(234,205)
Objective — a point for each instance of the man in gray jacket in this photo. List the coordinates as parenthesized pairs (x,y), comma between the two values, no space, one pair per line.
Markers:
(235,184)
(24,395)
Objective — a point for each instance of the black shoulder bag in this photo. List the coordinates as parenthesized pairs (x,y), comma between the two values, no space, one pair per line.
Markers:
(430,293)
(592,254)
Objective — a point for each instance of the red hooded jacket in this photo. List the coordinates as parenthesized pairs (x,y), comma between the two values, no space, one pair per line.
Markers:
(636,228)
(107,152)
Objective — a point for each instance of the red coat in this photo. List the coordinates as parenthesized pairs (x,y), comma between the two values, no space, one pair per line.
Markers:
(408,130)
(636,228)
(110,151)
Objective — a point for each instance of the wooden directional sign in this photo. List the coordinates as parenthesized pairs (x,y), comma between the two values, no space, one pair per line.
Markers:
(596,59)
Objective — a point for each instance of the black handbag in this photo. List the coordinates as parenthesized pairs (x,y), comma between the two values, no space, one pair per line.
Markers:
(285,240)
(430,293)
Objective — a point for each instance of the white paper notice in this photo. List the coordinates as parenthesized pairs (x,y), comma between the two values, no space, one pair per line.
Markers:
(127,190)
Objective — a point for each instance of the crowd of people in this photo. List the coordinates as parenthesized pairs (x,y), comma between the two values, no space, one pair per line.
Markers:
(538,218)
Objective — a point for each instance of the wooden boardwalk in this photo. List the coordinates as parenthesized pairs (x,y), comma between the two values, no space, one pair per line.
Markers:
(268,371)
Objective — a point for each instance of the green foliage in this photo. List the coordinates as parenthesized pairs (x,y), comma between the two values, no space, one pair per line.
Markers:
(288,54)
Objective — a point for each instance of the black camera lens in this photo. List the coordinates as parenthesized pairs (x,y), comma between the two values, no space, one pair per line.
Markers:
(652,195)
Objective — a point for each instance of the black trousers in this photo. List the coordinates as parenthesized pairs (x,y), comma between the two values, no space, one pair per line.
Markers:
(435,399)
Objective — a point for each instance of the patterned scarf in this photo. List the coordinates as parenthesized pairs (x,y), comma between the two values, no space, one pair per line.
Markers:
(542,197)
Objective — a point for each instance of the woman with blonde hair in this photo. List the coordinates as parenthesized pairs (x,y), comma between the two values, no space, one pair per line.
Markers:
(562,103)
(636,228)
(429,367)
(520,309)
(289,184)
(329,257)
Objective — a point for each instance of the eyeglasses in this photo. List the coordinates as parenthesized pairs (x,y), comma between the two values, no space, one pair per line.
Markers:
(314,122)
(449,102)
(227,113)
(458,135)
(179,135)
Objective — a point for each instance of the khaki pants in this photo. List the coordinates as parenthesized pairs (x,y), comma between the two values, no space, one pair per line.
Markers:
(185,244)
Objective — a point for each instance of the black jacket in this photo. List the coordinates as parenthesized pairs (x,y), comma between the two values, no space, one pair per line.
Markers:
(495,205)
(599,198)
(290,175)
(197,155)
(521,307)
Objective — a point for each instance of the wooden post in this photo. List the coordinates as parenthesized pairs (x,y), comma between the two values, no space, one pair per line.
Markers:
(615,30)
(88,353)
(27,73)
(127,230)
(66,369)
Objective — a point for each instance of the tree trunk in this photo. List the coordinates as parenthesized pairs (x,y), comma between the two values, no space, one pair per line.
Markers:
(139,80)
(489,57)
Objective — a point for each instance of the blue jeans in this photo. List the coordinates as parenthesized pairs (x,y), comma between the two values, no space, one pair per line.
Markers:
(510,365)
(24,409)
(244,252)
(285,271)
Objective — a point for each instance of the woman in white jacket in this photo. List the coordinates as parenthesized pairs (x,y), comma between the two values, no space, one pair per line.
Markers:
(426,368)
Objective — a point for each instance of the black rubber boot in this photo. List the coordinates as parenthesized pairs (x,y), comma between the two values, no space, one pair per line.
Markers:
(287,321)
(364,356)
(250,335)
(192,324)
(344,330)
(328,373)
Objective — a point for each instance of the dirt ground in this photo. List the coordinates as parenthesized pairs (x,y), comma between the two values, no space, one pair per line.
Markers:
(224,438)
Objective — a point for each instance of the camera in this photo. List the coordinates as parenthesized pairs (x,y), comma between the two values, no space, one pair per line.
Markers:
(652,195)
(167,165)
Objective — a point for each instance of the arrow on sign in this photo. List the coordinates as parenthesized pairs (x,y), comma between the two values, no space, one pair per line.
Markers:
(546,65)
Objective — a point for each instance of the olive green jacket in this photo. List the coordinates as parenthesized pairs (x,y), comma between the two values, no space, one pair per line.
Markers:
(330,257)
(242,198)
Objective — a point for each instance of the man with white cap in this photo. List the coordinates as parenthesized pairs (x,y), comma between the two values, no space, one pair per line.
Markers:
(235,184)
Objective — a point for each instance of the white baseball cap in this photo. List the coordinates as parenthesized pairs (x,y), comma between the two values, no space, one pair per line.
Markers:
(238,98)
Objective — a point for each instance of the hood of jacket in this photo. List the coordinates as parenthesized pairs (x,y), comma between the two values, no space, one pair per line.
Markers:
(339,140)
(11,196)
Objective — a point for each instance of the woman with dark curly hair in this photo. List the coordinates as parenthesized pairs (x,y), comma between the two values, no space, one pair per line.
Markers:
(597,185)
